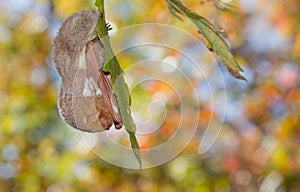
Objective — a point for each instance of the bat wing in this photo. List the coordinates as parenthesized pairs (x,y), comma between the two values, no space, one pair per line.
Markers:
(90,105)
(95,60)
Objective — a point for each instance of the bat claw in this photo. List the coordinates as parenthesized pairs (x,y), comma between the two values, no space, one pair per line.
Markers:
(108,26)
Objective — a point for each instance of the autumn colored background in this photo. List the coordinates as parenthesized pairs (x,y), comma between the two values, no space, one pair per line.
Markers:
(256,150)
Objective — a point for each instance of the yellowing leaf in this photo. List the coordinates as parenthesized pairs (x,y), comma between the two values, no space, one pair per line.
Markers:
(212,38)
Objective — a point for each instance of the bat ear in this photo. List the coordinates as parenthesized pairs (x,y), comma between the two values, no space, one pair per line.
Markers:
(105,120)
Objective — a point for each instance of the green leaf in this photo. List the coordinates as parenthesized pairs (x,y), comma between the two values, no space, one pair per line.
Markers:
(213,40)
(120,87)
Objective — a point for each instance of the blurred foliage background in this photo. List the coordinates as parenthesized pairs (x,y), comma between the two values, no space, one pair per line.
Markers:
(257,149)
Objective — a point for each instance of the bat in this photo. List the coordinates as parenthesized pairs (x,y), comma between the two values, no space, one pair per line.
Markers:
(86,100)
